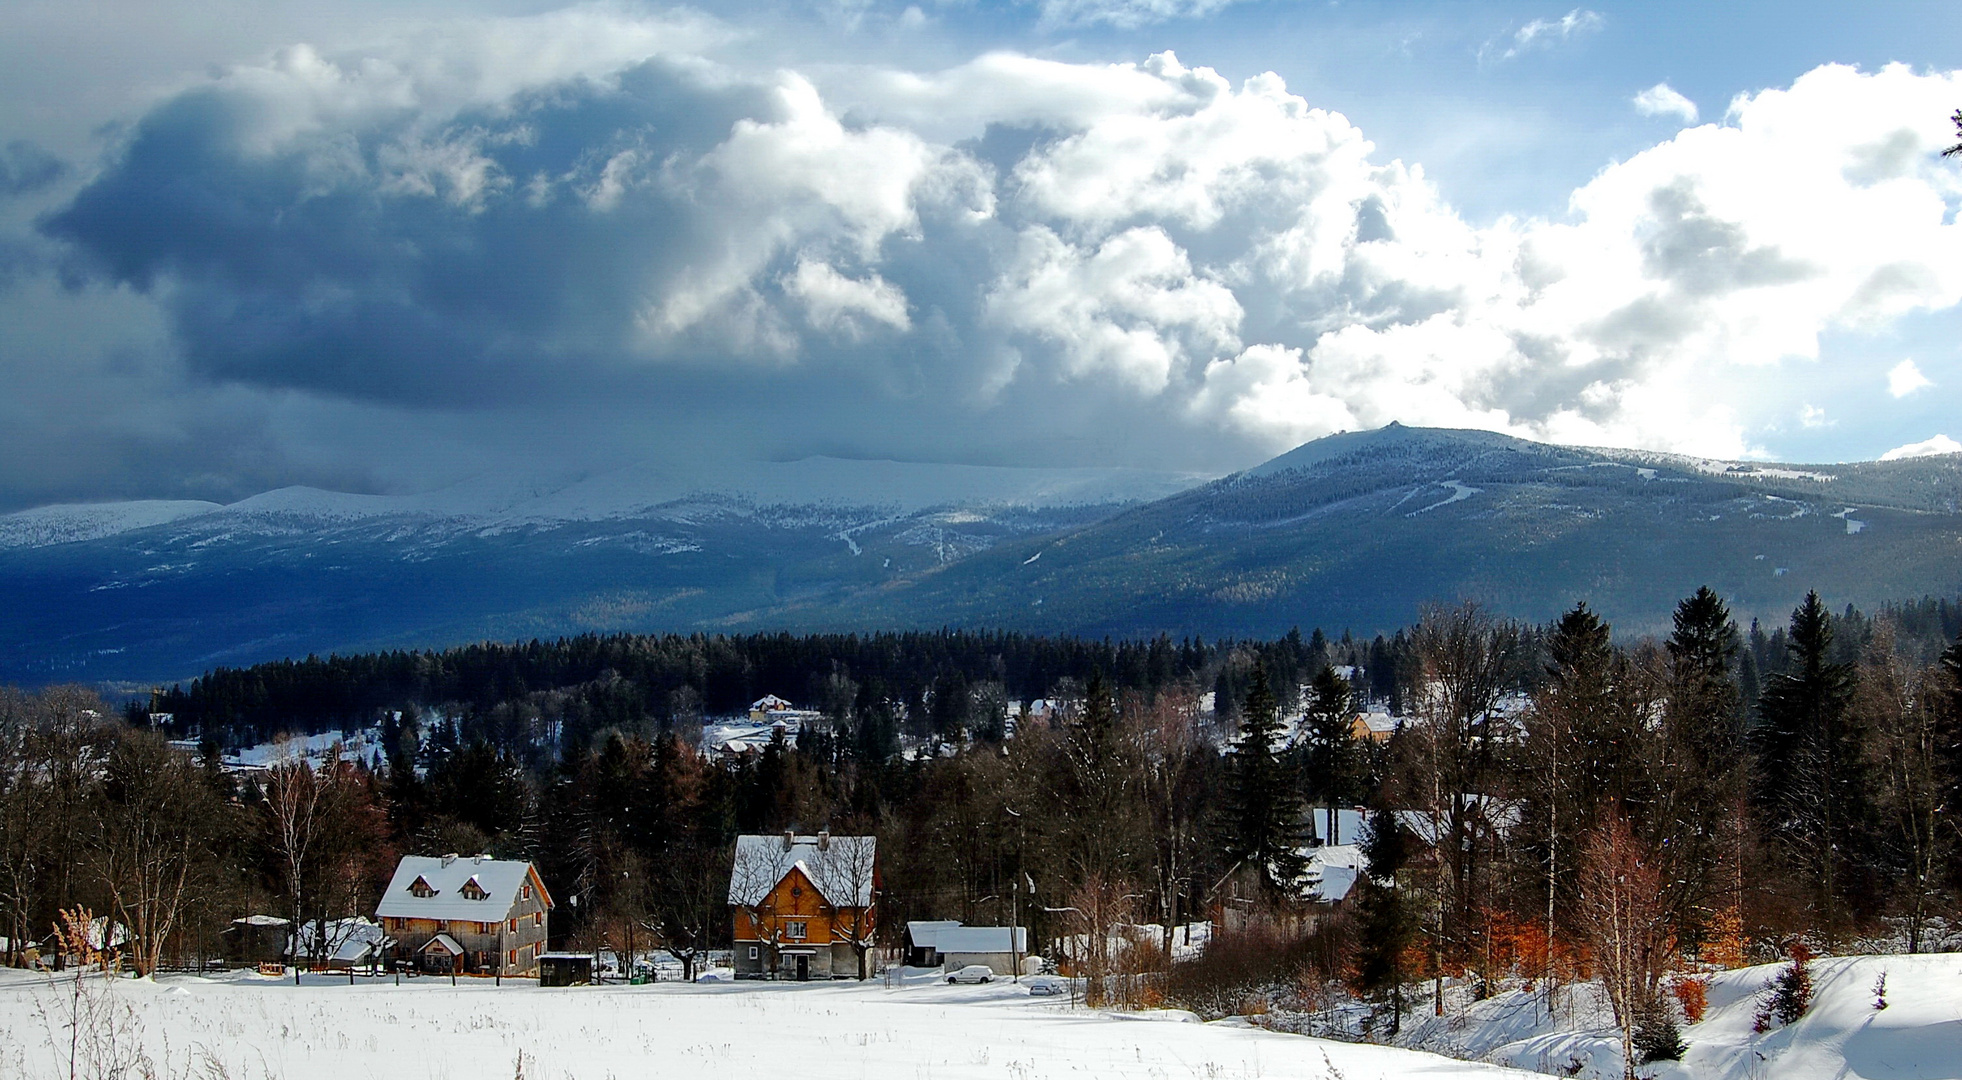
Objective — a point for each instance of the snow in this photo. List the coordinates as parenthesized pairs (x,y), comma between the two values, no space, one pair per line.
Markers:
(495,504)
(1842,1037)
(1460,491)
(326,1029)
(72,522)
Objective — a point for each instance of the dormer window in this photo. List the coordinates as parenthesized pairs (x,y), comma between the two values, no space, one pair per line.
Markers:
(421,889)
(472,890)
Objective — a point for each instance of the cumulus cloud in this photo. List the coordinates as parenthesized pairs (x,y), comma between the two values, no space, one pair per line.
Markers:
(593,218)
(1663,100)
(1905,378)
(1940,444)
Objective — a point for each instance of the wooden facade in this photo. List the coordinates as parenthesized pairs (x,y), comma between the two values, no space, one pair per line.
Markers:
(511,909)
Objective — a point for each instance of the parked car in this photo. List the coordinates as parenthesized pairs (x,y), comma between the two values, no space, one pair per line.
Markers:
(1047,986)
(973,973)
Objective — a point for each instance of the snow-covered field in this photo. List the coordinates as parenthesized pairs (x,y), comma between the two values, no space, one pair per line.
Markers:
(247,1027)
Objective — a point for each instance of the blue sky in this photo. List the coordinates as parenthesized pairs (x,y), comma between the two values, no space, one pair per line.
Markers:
(380,246)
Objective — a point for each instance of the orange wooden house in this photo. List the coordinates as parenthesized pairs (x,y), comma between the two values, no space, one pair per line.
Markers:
(804,907)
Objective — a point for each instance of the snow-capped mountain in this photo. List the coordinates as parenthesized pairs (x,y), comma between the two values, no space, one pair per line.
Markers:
(152,589)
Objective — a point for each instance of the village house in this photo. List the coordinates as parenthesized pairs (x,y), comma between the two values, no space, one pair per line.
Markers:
(471,914)
(803,906)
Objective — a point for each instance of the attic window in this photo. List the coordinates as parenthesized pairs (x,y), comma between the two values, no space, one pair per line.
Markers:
(473,891)
(420,888)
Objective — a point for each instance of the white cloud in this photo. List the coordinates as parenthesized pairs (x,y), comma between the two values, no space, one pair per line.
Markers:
(1169,262)
(1663,100)
(833,301)
(1546,33)
(1905,378)
(1940,444)
(1126,14)
(1812,416)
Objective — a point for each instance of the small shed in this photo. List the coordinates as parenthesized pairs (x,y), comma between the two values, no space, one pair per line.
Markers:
(565,969)
(921,936)
(999,947)
(256,939)
(441,954)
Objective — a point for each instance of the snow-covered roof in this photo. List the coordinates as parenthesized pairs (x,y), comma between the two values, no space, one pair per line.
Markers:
(446,941)
(260,920)
(768,703)
(500,879)
(840,867)
(981,939)
(924,932)
(349,940)
(1333,870)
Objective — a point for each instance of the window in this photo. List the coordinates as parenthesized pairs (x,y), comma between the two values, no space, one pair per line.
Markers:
(473,890)
(538,918)
(514,926)
(514,958)
(752,952)
(796,929)
(527,892)
(420,889)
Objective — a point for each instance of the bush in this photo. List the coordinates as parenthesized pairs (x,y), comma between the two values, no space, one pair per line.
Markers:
(1788,994)
(1656,1036)
(1694,996)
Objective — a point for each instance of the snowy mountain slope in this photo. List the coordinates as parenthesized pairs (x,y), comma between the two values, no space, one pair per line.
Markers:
(890,487)
(68,523)
(1360,530)
(302,570)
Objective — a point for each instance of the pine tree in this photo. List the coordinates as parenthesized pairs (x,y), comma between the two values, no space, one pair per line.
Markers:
(1266,805)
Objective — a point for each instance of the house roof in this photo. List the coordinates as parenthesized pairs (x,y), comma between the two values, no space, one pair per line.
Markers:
(841,867)
(1333,870)
(499,878)
(981,939)
(924,932)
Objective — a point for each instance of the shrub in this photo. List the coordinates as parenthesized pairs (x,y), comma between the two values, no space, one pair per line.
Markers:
(1656,1036)
(1694,997)
(1788,994)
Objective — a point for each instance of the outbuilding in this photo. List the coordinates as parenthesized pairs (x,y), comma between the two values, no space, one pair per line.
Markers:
(999,947)
(922,936)
(565,969)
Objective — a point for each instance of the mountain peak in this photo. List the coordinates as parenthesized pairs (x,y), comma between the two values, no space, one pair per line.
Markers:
(1391,435)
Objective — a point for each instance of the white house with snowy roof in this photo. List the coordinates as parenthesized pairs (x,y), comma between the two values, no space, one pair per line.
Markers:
(466,914)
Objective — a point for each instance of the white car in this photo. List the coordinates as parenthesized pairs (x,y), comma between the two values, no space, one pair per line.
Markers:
(1047,986)
(973,973)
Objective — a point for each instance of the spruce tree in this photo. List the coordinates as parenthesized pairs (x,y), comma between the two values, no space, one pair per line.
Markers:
(1384,924)
(1702,779)
(1266,805)
(1330,761)
(1810,787)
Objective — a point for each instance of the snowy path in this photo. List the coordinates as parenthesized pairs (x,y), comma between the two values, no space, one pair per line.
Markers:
(264,1028)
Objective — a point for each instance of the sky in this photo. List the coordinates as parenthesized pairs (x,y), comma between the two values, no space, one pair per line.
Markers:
(381,246)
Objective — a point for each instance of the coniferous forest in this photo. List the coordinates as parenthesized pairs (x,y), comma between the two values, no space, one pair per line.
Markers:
(1553,803)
